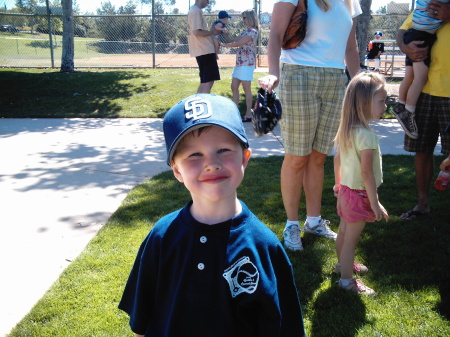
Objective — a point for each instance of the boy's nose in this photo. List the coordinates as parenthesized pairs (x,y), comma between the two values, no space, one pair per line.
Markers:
(212,163)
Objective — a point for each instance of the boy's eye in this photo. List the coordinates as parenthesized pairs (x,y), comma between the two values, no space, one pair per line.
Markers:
(196,154)
(223,150)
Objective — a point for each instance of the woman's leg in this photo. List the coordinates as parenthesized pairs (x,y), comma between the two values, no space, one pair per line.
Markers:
(313,182)
(247,85)
(235,89)
(292,172)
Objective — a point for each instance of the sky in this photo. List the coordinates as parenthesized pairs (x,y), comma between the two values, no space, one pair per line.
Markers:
(238,5)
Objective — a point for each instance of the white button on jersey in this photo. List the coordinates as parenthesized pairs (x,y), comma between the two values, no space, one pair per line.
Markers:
(203,239)
(201,266)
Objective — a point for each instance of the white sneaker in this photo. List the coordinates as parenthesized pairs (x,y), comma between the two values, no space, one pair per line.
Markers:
(321,229)
(292,239)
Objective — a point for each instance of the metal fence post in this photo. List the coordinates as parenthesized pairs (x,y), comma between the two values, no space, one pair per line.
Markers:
(50,33)
(153,34)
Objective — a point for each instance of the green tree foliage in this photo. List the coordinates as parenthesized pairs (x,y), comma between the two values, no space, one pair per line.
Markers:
(120,28)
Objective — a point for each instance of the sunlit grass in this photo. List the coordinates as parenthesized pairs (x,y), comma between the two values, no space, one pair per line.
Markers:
(408,261)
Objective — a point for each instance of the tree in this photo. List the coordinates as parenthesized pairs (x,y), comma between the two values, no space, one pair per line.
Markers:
(67,58)
(362,28)
(119,28)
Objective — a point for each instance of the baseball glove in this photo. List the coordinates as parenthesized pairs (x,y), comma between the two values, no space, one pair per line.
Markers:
(266,113)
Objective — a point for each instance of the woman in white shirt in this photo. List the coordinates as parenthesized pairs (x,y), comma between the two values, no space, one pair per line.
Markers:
(311,88)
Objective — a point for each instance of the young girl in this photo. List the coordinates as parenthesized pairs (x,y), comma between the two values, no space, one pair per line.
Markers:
(357,168)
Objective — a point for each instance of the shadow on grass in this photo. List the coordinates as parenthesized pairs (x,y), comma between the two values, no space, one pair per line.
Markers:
(337,314)
(411,255)
(52,94)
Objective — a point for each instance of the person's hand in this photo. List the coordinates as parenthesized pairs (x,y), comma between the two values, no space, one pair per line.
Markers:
(380,212)
(269,82)
(439,10)
(336,189)
(415,52)
(445,163)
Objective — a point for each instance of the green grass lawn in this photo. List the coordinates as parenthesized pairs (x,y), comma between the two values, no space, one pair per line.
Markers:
(37,46)
(408,261)
(46,93)
(100,93)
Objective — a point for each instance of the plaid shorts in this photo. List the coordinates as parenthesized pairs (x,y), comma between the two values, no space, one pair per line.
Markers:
(432,117)
(312,99)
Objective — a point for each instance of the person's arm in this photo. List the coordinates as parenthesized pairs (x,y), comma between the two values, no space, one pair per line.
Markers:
(439,10)
(237,42)
(196,25)
(337,173)
(351,52)
(201,32)
(136,335)
(281,15)
(411,49)
(218,26)
(370,184)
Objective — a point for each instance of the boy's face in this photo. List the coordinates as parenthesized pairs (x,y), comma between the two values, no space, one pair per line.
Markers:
(225,20)
(211,165)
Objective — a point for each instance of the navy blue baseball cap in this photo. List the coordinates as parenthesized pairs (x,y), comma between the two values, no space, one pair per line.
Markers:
(197,111)
(379,33)
(223,15)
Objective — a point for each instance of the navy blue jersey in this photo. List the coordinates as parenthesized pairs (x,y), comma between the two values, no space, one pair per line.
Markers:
(222,25)
(229,279)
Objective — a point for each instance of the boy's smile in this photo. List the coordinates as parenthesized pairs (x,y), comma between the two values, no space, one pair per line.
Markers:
(211,164)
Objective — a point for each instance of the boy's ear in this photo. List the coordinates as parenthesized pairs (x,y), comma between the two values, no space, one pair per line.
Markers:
(177,173)
(246,157)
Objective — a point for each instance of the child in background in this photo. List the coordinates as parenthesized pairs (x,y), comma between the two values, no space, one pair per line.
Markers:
(221,26)
(424,27)
(358,173)
(211,268)
(375,49)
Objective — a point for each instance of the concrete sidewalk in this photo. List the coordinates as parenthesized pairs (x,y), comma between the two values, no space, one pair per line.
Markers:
(61,179)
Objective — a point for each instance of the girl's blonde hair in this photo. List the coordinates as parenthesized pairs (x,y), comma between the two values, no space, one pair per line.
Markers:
(251,17)
(357,106)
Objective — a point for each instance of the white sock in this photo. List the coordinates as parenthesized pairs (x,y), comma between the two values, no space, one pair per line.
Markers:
(410,108)
(345,281)
(313,221)
(289,223)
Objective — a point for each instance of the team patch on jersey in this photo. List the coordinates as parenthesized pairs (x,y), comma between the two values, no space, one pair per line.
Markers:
(242,276)
(197,107)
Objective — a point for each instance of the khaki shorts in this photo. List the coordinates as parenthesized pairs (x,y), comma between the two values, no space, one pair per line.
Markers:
(312,100)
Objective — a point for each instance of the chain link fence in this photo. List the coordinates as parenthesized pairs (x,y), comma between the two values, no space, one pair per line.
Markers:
(120,38)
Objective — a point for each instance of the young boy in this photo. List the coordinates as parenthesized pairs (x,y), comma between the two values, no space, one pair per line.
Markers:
(424,27)
(211,268)
(375,49)
(221,26)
